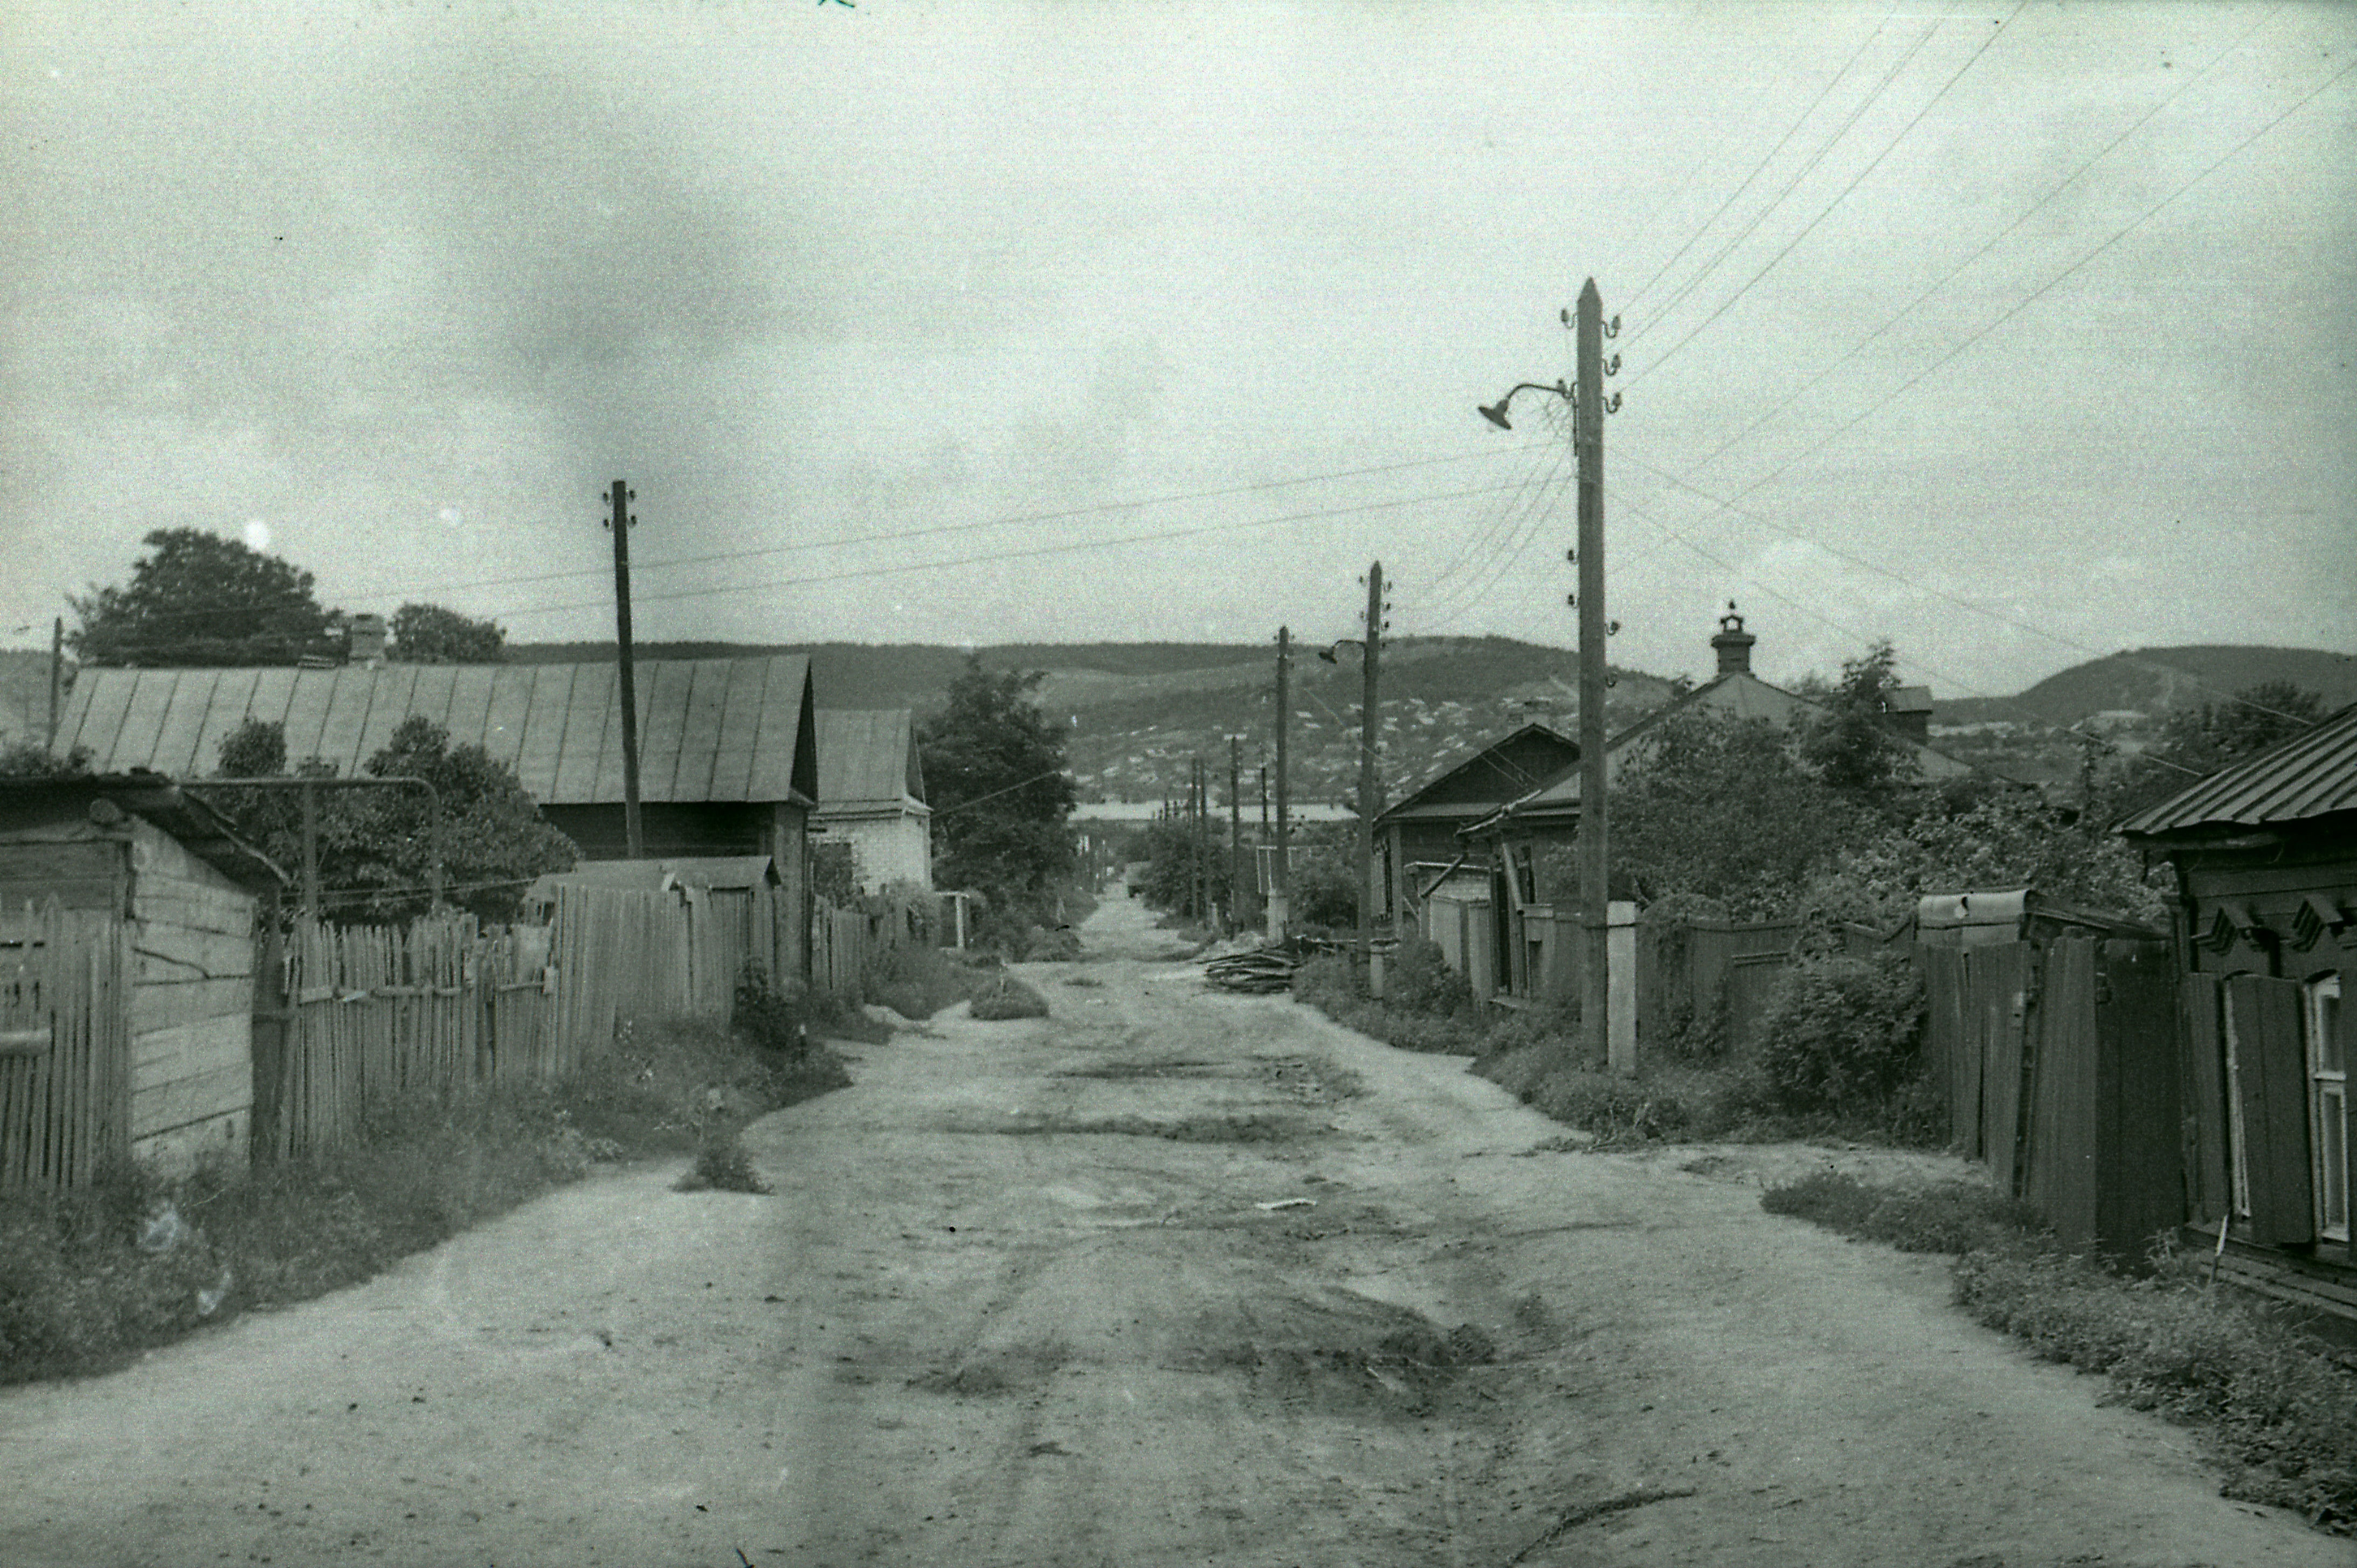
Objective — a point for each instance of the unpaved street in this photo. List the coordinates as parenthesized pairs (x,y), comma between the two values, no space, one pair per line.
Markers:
(1020,1300)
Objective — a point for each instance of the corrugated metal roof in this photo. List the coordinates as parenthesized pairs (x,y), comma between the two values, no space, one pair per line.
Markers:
(867,757)
(2310,774)
(709,729)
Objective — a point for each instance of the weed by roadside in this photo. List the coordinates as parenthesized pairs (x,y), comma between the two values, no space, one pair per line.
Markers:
(1007,997)
(919,982)
(2272,1399)
(723,1165)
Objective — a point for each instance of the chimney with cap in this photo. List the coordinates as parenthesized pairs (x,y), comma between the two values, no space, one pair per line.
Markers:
(1733,643)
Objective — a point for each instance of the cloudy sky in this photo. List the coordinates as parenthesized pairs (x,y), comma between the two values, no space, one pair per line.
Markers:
(2012,333)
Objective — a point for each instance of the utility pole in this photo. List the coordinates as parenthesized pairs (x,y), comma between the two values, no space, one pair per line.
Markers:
(633,834)
(1280,880)
(1235,830)
(1368,803)
(1595,889)
(57,676)
(1203,841)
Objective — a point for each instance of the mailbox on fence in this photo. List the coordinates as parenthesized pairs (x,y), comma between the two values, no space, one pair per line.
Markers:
(2013,915)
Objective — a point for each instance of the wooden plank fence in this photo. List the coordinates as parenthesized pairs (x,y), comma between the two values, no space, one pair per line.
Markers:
(2059,1061)
(65,1051)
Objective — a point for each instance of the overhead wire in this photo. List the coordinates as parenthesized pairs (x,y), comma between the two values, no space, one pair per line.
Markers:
(1679,295)
(1810,227)
(1992,242)
(1645,289)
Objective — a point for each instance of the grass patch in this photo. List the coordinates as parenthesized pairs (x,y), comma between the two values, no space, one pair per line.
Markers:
(1940,1217)
(2274,1401)
(1009,997)
(80,1293)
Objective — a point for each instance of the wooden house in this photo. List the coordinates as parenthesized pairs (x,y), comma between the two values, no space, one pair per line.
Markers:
(1416,839)
(2265,855)
(871,795)
(138,914)
(1539,952)
(727,748)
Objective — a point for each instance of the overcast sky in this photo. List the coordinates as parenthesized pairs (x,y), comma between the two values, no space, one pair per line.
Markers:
(2013,334)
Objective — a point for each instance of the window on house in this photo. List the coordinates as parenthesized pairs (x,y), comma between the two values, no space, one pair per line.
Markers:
(2328,1103)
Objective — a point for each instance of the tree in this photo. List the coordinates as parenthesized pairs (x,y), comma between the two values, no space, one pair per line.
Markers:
(376,846)
(2198,740)
(198,598)
(995,772)
(31,760)
(1721,807)
(429,634)
(1851,745)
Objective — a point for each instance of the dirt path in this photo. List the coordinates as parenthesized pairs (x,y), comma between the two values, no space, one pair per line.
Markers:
(1021,1303)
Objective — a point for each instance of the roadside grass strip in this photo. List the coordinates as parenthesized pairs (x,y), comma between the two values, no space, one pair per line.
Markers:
(2275,1402)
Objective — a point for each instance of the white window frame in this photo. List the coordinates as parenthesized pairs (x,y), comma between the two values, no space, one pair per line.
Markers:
(2327,1105)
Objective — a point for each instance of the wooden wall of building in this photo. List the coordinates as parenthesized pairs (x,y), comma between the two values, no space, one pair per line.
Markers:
(191,1002)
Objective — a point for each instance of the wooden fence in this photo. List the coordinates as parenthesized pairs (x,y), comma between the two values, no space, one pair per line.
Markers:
(2060,1066)
(65,1051)
(1714,973)
(369,1012)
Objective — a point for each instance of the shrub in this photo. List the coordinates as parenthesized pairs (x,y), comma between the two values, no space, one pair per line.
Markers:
(1943,1217)
(917,982)
(771,1019)
(723,1164)
(1842,1032)
(1418,979)
(1009,998)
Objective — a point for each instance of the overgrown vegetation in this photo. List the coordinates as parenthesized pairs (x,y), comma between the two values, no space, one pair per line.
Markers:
(2273,1400)
(90,1276)
(1007,997)
(996,775)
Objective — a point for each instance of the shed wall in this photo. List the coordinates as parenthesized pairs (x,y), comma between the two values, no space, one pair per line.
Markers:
(191,1002)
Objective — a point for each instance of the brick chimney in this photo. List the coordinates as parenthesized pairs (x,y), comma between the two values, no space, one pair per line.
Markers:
(364,641)
(1733,643)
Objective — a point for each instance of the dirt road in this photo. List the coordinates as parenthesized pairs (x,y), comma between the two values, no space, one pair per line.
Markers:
(1048,1293)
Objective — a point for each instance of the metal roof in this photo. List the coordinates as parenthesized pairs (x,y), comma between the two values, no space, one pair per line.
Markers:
(709,729)
(2311,774)
(1414,806)
(867,757)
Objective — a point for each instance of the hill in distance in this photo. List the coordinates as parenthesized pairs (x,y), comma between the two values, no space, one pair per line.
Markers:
(2153,680)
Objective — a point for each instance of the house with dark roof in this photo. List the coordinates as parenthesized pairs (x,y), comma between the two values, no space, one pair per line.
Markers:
(1532,959)
(727,748)
(871,795)
(2265,855)
(1417,842)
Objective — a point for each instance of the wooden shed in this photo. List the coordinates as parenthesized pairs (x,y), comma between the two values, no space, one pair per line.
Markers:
(133,915)
(2266,853)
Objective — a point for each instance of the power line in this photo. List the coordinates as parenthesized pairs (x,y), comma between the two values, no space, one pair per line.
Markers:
(1856,180)
(1827,146)
(2026,214)
(1010,521)
(1646,287)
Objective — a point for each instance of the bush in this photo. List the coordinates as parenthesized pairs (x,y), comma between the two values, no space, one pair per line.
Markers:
(723,1164)
(918,982)
(1009,998)
(770,1019)
(1418,979)
(1842,1032)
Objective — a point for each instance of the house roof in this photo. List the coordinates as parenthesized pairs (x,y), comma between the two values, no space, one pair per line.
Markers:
(709,729)
(1457,789)
(202,830)
(2311,774)
(1739,693)
(867,757)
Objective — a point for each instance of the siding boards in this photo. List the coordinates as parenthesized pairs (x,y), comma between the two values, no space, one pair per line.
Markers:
(2140,1171)
(2059,1154)
(2000,974)
(2203,1078)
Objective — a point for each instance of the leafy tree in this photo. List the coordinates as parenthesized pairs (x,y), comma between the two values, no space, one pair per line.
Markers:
(995,774)
(1851,746)
(2197,740)
(1721,807)
(198,598)
(1175,861)
(429,634)
(376,846)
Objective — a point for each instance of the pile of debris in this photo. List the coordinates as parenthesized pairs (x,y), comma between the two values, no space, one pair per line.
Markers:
(1258,972)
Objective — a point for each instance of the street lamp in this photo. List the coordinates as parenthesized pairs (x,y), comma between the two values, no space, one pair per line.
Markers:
(1587,411)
